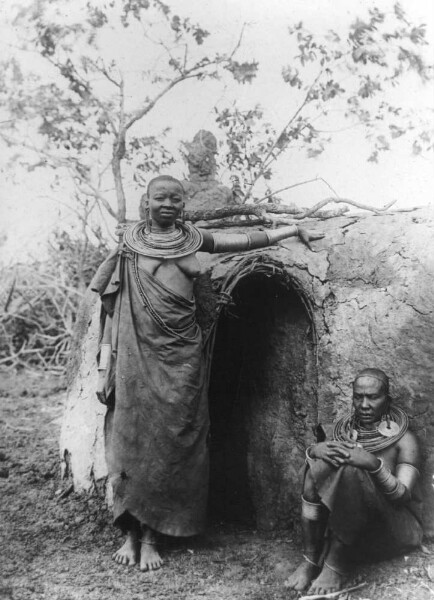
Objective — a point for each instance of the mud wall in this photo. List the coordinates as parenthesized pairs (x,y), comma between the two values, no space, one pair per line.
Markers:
(370,283)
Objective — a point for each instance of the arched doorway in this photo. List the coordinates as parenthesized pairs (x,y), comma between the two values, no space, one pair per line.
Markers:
(262,399)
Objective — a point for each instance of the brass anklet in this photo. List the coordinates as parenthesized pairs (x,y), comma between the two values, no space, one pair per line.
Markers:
(310,561)
(335,569)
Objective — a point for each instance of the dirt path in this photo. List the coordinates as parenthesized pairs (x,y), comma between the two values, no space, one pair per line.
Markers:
(58,547)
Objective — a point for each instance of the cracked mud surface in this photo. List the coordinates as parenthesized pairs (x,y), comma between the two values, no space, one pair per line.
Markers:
(59,548)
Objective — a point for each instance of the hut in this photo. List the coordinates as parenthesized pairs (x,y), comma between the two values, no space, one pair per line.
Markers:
(294,328)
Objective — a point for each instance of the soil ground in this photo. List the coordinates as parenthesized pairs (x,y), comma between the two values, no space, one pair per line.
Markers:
(57,545)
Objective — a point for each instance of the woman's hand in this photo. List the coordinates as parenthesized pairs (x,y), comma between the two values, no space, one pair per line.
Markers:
(335,453)
(306,236)
(363,459)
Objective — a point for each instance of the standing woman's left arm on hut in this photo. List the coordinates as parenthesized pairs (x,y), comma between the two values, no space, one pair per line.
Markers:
(237,242)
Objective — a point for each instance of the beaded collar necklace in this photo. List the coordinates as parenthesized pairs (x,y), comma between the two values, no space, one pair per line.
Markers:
(183,240)
(391,428)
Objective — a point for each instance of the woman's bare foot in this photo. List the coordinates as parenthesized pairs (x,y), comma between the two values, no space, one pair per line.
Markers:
(128,553)
(303,575)
(328,581)
(150,560)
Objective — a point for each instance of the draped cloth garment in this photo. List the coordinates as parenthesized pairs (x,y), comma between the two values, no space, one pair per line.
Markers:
(360,515)
(157,427)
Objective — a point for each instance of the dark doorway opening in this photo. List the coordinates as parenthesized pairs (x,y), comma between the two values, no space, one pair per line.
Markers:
(262,375)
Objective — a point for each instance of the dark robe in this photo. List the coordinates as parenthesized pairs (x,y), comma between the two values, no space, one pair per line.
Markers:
(157,424)
(360,514)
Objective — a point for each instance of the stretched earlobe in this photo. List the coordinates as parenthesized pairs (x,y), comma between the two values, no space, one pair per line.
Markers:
(148,220)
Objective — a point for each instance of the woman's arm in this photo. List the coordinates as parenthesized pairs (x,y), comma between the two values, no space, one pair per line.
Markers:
(408,461)
(399,486)
(237,242)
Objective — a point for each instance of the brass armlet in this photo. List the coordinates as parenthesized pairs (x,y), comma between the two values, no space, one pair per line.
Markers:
(308,458)
(310,561)
(237,242)
(390,485)
(407,474)
(397,492)
(282,233)
(312,511)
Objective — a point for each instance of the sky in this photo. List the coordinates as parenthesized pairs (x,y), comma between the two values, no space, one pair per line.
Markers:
(28,210)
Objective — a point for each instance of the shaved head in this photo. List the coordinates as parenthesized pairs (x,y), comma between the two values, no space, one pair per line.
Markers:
(375,374)
(164,178)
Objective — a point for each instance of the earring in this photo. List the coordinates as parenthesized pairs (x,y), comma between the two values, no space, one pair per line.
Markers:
(182,214)
(148,220)
(353,426)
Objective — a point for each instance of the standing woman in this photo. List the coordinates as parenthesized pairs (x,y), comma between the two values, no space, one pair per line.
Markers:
(153,372)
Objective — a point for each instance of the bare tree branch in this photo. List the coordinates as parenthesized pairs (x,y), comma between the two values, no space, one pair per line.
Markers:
(240,39)
(288,187)
(269,154)
(91,191)
(311,211)
(264,211)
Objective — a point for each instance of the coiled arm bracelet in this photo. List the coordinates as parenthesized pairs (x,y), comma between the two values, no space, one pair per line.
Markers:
(237,242)
(396,487)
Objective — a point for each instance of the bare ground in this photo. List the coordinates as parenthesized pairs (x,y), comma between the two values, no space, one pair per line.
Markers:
(58,546)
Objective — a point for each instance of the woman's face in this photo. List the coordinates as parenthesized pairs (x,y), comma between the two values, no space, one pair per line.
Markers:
(370,400)
(166,200)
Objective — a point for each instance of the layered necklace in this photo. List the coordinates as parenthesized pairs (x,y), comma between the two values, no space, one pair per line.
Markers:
(180,241)
(390,429)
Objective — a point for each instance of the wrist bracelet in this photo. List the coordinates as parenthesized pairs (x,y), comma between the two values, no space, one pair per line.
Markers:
(308,457)
(388,483)
(398,492)
(378,468)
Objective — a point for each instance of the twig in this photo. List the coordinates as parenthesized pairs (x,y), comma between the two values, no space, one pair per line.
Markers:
(238,44)
(10,294)
(334,594)
(294,185)
(329,186)
(228,223)
(97,195)
(314,209)
(273,146)
(87,87)
(288,187)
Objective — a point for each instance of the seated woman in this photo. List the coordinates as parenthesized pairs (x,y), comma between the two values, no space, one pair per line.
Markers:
(359,494)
